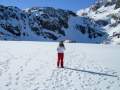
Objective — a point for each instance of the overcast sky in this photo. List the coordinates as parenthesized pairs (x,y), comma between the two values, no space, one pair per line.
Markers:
(63,4)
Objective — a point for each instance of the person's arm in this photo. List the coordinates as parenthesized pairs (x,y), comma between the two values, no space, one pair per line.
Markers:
(64,48)
(57,48)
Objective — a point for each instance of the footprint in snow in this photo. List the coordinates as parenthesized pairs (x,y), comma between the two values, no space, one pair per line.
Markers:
(8,84)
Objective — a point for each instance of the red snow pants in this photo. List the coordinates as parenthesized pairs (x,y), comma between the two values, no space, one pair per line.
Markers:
(60,59)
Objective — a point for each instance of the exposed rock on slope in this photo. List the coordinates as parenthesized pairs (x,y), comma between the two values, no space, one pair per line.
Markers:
(48,24)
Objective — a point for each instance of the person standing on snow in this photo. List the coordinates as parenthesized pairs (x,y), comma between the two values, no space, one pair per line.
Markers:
(60,50)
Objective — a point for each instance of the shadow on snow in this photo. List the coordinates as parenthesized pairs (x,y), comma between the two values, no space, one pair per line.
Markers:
(91,72)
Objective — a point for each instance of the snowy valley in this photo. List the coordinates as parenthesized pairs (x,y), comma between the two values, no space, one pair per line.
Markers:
(29,39)
(87,66)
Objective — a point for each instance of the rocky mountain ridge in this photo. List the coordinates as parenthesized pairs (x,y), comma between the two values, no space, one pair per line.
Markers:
(48,24)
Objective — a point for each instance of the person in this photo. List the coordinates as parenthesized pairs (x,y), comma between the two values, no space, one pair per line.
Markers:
(60,50)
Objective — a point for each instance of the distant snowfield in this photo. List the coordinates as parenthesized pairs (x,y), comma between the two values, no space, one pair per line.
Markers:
(32,66)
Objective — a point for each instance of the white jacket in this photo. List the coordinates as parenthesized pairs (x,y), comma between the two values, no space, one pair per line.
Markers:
(60,49)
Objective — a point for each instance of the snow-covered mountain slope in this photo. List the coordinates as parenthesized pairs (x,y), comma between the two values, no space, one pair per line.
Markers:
(48,24)
(107,14)
(28,67)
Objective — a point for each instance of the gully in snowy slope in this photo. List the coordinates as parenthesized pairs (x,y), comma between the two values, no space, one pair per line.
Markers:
(60,50)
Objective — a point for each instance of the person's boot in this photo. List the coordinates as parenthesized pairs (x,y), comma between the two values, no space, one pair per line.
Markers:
(57,65)
(62,66)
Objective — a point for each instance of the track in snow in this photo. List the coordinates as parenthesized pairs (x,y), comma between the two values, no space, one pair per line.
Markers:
(28,68)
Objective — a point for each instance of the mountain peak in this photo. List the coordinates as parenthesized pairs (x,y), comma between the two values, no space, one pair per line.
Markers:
(48,24)
(106,13)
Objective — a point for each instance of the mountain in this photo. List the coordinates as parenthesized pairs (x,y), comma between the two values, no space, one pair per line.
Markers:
(106,13)
(48,24)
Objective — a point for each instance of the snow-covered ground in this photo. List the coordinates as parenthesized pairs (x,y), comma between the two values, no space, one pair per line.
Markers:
(32,66)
